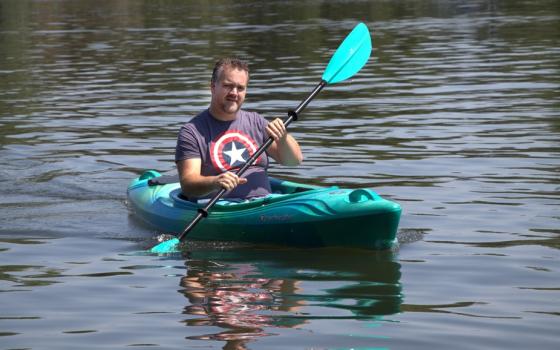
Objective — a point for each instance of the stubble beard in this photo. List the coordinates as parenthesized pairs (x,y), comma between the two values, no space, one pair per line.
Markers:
(230,107)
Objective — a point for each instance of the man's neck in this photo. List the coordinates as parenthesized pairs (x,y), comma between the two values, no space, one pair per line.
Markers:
(225,117)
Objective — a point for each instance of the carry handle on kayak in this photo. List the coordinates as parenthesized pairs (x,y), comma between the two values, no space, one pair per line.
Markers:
(348,59)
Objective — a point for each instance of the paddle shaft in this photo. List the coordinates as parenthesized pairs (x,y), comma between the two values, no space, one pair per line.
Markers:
(292,116)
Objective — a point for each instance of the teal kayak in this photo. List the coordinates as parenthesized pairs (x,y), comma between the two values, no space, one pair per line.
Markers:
(295,215)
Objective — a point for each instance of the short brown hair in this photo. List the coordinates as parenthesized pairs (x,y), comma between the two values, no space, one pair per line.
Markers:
(232,62)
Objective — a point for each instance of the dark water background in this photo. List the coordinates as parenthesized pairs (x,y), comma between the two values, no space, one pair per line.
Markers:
(456,117)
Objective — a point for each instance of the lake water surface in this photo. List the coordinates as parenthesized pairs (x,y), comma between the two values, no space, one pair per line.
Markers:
(456,117)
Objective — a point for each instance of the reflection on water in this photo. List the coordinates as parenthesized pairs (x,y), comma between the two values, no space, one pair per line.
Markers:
(234,302)
(248,294)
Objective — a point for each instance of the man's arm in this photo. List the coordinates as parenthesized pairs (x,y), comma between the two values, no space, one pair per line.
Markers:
(193,184)
(285,149)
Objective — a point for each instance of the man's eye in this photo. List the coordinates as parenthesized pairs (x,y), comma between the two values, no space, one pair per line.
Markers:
(231,87)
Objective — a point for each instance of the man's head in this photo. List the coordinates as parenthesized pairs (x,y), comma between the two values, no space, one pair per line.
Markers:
(229,86)
(228,62)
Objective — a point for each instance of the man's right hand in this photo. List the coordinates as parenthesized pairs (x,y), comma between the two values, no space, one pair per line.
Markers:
(195,185)
(228,181)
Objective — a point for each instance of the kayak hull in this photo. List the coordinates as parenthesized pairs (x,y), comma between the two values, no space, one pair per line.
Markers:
(299,215)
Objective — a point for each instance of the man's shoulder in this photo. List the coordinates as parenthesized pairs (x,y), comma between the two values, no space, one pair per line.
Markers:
(197,121)
(194,125)
(205,114)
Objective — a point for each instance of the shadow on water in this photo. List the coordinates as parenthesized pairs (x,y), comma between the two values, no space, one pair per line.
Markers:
(251,293)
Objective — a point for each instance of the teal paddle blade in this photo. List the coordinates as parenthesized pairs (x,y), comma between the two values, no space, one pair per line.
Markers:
(350,56)
(170,246)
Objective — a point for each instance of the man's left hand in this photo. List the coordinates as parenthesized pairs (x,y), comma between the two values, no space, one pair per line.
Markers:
(276,129)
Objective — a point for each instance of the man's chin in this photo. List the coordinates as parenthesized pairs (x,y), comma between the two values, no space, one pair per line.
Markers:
(231,108)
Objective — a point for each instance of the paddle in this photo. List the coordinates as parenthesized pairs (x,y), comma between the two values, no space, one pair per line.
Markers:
(348,59)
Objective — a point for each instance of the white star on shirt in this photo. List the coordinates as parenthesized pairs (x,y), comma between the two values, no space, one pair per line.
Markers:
(235,154)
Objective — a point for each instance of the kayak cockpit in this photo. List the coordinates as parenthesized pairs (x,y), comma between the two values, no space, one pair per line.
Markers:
(280,190)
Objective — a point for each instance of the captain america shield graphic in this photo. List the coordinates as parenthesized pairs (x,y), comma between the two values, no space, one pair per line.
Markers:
(231,150)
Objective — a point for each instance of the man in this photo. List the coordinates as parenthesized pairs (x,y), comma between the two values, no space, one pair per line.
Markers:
(219,140)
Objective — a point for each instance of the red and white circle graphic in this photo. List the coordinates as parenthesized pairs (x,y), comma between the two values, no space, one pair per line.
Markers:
(231,150)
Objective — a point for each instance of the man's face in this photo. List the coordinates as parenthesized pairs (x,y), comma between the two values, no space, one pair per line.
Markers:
(228,93)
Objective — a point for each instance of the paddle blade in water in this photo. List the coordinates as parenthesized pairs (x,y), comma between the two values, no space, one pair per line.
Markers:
(350,56)
(169,246)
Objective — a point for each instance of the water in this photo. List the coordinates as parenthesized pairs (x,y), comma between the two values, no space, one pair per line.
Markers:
(456,117)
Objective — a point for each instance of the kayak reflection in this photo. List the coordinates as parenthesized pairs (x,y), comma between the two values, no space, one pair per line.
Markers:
(249,293)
